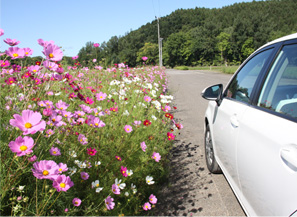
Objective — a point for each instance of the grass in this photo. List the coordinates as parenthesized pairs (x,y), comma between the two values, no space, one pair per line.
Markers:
(222,69)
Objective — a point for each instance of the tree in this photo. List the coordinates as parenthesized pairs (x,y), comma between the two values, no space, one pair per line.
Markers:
(248,47)
(151,51)
(223,45)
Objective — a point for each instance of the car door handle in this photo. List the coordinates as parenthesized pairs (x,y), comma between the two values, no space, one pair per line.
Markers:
(234,121)
(289,156)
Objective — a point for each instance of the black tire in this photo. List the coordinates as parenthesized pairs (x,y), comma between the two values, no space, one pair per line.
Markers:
(211,162)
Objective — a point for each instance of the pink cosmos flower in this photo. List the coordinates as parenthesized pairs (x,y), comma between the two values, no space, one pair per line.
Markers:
(44,43)
(47,112)
(82,139)
(34,69)
(84,175)
(143,146)
(124,171)
(91,151)
(115,189)
(136,123)
(76,201)
(62,167)
(96,45)
(109,203)
(153,199)
(128,128)
(50,65)
(11,42)
(62,105)
(144,58)
(55,151)
(156,156)
(94,60)
(170,136)
(53,52)
(75,57)
(147,206)
(22,146)
(147,98)
(30,122)
(46,169)
(1,32)
(98,123)
(33,158)
(101,96)
(15,52)
(28,51)
(62,183)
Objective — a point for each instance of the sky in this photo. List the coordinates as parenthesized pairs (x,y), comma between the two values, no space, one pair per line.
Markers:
(73,23)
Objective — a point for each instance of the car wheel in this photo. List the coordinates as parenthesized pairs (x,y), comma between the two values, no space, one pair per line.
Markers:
(211,162)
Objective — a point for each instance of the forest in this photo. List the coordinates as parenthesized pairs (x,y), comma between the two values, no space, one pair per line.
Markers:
(199,36)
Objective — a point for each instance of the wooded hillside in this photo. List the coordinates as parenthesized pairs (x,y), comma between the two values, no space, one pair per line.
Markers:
(200,36)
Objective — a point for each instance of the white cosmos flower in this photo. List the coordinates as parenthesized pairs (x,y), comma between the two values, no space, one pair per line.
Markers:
(72,154)
(154,117)
(126,113)
(149,180)
(129,172)
(98,190)
(97,163)
(119,184)
(95,184)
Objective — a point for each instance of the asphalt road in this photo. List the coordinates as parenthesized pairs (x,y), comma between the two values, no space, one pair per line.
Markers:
(192,190)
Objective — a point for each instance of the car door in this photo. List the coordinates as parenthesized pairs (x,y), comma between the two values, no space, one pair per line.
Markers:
(236,99)
(267,141)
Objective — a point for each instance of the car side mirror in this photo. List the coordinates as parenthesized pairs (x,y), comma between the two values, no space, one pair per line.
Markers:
(213,93)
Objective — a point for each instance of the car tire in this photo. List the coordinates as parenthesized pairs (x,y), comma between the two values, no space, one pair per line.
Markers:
(211,162)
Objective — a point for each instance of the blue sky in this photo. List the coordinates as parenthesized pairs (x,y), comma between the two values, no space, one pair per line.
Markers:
(73,23)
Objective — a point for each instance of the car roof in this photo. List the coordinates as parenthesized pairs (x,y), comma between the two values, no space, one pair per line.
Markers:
(285,38)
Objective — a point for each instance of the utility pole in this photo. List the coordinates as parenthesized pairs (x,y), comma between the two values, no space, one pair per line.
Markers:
(160,44)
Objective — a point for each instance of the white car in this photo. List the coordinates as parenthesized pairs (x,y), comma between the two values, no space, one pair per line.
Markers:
(251,130)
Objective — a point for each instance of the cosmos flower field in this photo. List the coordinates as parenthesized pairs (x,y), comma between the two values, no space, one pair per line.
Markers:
(81,140)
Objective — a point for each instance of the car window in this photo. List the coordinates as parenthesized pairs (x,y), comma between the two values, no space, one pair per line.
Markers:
(279,92)
(242,84)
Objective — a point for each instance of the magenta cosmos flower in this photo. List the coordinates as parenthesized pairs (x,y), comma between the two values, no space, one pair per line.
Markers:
(128,129)
(30,122)
(76,201)
(91,151)
(1,32)
(62,183)
(53,52)
(144,58)
(153,199)
(15,52)
(170,136)
(11,42)
(46,169)
(124,171)
(22,146)
(109,203)
(147,206)
(156,156)
(96,45)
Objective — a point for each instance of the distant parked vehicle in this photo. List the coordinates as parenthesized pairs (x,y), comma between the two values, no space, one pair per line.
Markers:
(251,130)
